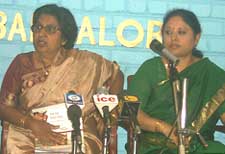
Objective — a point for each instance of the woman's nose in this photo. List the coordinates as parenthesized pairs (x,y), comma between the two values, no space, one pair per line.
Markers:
(42,32)
(173,36)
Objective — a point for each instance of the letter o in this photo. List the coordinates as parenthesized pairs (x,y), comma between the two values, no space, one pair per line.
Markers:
(123,25)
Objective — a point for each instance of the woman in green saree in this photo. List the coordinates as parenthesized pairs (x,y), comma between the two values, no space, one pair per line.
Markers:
(41,78)
(205,94)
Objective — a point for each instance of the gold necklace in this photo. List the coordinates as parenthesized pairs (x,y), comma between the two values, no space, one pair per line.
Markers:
(60,55)
(44,67)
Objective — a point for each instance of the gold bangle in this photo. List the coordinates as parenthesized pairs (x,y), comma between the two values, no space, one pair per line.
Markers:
(158,126)
(22,121)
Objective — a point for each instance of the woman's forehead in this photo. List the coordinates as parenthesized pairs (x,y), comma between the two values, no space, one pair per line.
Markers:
(177,21)
(48,19)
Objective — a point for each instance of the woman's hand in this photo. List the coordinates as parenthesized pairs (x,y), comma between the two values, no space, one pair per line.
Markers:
(43,131)
(155,125)
(170,132)
(174,137)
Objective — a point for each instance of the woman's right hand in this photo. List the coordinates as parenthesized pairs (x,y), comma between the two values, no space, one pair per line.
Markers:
(172,135)
(155,125)
(43,131)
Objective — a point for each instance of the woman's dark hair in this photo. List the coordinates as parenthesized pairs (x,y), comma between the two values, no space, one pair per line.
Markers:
(190,19)
(66,21)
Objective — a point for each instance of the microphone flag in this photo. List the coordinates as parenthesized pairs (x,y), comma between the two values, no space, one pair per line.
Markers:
(130,103)
(102,100)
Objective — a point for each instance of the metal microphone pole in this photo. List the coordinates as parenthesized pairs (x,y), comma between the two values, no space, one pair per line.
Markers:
(180,98)
(135,125)
(185,131)
(184,103)
(106,140)
(183,114)
(107,130)
(176,89)
(76,140)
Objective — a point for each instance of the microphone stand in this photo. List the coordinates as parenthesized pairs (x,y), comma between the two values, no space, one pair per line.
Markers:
(107,131)
(135,126)
(106,140)
(176,89)
(76,143)
(179,98)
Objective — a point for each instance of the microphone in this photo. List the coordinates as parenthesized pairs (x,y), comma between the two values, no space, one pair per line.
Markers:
(129,108)
(106,115)
(74,115)
(74,103)
(131,102)
(158,48)
(105,103)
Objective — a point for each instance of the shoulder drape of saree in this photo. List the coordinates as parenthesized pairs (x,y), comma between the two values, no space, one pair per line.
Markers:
(210,107)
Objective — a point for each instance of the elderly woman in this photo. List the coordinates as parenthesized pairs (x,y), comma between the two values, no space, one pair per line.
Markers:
(181,32)
(40,78)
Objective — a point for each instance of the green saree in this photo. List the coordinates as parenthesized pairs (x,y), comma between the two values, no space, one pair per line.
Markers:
(151,85)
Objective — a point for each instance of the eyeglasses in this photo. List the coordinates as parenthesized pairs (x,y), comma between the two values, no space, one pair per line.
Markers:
(50,29)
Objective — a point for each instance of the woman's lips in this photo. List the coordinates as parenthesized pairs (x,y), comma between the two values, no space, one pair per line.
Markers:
(41,43)
(174,46)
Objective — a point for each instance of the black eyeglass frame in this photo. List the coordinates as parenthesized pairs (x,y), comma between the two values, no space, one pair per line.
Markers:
(50,29)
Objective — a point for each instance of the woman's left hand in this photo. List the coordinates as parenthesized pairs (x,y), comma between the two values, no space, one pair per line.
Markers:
(43,131)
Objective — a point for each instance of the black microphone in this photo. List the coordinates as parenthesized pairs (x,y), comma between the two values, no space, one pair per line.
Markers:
(74,103)
(74,114)
(158,48)
(128,101)
(106,115)
(129,109)
(105,109)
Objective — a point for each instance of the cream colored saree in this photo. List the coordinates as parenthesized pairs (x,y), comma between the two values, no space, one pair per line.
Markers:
(80,71)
